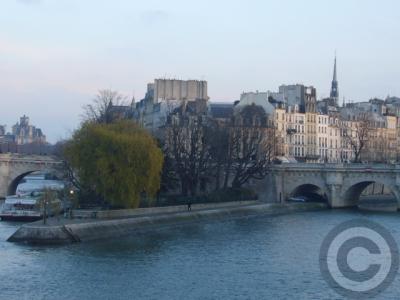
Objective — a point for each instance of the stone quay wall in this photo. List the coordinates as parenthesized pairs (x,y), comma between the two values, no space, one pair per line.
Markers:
(88,230)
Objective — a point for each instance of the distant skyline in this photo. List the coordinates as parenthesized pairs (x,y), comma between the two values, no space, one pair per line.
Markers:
(56,54)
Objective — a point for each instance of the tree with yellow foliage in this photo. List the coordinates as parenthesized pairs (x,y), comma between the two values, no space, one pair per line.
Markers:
(115,163)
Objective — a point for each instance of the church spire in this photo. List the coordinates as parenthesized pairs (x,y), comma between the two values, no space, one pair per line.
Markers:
(334,70)
(335,86)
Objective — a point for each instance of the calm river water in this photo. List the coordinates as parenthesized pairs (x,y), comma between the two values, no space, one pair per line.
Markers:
(255,258)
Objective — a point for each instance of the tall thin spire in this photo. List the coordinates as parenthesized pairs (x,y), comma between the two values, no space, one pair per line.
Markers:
(335,85)
(334,70)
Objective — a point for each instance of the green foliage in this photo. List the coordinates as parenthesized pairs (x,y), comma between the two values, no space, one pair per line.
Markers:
(116,162)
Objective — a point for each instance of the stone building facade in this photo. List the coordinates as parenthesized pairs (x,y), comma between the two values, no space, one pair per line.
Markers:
(23,133)
(310,133)
(163,97)
(306,130)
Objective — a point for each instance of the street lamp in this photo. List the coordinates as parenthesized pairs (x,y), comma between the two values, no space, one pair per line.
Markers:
(45,210)
(71,193)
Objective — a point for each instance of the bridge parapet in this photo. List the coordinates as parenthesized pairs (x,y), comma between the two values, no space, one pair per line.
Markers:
(13,167)
(341,184)
(12,157)
(335,166)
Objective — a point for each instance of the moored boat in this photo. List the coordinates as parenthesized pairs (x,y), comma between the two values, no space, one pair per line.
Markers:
(28,207)
(19,208)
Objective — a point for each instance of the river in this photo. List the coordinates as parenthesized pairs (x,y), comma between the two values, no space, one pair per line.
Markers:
(267,257)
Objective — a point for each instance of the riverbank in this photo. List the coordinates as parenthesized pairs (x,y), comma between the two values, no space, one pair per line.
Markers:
(63,231)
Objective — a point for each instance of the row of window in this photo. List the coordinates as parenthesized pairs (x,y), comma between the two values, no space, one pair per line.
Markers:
(300,152)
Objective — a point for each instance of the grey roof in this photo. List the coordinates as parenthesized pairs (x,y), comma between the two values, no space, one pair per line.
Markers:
(221,110)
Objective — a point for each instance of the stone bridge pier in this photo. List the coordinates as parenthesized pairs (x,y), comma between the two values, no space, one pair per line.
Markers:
(13,167)
(340,185)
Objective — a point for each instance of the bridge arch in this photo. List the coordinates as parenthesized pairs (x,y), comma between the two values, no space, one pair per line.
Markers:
(353,190)
(311,191)
(12,187)
(13,167)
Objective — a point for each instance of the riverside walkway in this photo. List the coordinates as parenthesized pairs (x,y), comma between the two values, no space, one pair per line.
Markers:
(60,230)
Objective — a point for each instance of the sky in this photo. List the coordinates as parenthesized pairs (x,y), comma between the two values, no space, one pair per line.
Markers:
(56,54)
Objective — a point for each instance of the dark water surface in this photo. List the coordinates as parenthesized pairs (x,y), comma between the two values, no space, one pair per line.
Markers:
(255,258)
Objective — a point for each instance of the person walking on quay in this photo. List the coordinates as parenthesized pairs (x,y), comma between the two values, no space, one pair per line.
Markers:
(189,205)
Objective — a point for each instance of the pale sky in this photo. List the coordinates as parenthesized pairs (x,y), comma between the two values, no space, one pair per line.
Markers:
(56,54)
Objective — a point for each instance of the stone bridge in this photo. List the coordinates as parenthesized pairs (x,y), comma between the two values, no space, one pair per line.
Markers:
(13,167)
(340,185)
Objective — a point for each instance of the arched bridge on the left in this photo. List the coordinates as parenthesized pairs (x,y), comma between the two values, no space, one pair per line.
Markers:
(14,167)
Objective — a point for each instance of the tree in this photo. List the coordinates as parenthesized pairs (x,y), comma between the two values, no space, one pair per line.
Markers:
(187,145)
(218,133)
(98,110)
(356,134)
(46,203)
(201,149)
(68,172)
(115,163)
(251,145)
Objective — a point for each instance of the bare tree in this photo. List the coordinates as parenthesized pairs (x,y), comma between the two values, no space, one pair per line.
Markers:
(98,110)
(252,144)
(356,134)
(234,151)
(187,145)
(381,147)
(252,153)
(218,137)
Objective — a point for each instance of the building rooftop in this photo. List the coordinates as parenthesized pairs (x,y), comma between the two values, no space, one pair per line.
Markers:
(221,110)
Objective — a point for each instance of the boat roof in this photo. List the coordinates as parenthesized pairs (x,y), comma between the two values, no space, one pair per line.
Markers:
(30,201)
(39,185)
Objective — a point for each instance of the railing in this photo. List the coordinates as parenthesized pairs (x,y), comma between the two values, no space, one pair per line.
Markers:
(35,159)
(347,166)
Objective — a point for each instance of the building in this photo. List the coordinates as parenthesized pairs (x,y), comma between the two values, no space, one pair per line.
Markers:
(24,133)
(4,136)
(181,90)
(164,96)
(267,100)
(304,97)
(221,111)
(305,129)
(321,131)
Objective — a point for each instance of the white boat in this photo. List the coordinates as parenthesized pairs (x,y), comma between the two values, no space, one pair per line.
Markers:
(27,204)
(20,208)
(28,207)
